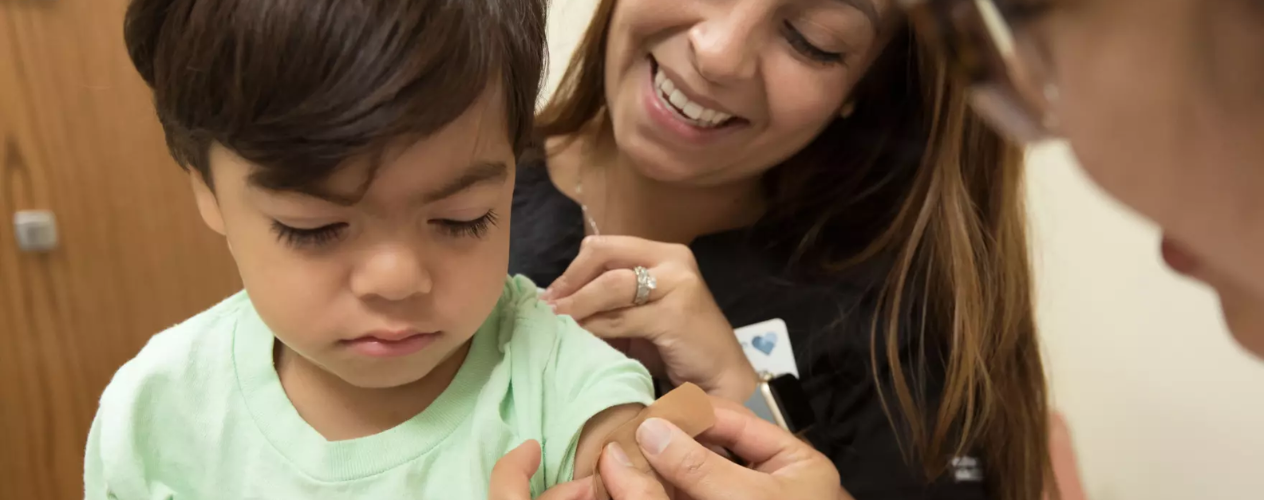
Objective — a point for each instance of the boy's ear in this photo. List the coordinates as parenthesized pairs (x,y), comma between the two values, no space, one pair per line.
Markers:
(208,206)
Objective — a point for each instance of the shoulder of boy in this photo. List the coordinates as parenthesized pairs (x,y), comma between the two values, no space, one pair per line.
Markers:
(172,356)
(533,334)
(156,373)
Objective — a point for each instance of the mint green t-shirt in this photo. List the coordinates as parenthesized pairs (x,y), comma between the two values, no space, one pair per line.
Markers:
(200,414)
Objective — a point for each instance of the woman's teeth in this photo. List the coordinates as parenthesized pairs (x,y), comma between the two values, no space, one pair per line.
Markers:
(690,111)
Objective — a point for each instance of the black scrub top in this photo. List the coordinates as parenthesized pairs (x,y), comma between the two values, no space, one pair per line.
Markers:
(828,325)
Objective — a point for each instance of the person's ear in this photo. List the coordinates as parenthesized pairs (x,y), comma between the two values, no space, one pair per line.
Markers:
(208,205)
(848,109)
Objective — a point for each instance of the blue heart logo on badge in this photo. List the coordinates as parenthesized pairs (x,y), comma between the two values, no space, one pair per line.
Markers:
(768,347)
(765,343)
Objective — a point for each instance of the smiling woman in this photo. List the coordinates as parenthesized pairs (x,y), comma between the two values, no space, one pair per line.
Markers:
(809,161)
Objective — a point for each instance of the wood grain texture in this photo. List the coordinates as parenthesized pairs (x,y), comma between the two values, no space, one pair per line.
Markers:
(78,136)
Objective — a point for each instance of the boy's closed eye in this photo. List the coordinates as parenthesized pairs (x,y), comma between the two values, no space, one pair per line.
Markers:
(300,237)
(480,174)
(321,236)
(475,228)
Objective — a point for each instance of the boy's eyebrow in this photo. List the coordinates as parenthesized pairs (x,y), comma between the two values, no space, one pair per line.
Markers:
(478,173)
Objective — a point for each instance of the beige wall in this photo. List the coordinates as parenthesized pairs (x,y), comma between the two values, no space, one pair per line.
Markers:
(567,21)
(1162,404)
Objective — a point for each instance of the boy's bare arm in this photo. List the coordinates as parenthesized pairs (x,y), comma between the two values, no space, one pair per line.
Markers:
(687,406)
(593,438)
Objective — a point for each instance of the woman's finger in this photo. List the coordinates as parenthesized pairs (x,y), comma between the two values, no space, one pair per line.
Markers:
(626,323)
(693,469)
(721,403)
(612,290)
(625,482)
(599,254)
(759,442)
(615,290)
(511,476)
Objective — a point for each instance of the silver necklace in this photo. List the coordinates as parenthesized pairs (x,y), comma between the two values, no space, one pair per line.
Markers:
(583,206)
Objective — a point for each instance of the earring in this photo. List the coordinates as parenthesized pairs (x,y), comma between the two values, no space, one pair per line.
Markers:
(847,110)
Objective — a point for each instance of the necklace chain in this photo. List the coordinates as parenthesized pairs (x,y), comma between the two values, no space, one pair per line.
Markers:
(583,205)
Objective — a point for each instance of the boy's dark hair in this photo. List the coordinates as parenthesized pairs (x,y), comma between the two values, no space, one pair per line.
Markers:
(298,87)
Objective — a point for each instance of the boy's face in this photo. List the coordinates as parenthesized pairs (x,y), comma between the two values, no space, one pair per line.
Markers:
(380,292)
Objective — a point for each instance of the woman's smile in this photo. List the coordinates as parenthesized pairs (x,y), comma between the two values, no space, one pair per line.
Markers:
(681,116)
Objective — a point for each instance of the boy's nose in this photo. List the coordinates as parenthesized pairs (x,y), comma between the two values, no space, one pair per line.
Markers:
(391,273)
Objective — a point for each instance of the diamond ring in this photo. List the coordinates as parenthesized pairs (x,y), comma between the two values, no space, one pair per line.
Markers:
(645,283)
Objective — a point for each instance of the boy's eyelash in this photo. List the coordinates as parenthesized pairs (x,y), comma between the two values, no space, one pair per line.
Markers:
(801,44)
(308,238)
(324,235)
(476,228)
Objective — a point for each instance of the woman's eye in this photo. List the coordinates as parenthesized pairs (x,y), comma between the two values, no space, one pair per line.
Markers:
(308,237)
(476,228)
(801,44)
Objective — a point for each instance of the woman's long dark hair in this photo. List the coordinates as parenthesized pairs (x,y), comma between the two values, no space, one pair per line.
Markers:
(916,181)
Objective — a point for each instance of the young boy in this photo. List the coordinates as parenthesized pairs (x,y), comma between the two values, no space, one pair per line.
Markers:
(358,158)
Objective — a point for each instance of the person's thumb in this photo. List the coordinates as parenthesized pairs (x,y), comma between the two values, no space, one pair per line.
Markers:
(692,468)
(623,481)
(511,476)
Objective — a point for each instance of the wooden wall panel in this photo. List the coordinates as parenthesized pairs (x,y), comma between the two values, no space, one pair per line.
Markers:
(78,136)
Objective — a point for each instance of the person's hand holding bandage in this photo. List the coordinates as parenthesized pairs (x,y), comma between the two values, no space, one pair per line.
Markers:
(781,467)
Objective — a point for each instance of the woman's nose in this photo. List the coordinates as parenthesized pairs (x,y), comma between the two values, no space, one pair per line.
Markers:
(725,46)
(392,273)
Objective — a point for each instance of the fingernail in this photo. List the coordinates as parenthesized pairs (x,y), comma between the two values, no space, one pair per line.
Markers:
(653,435)
(615,452)
(547,295)
(553,307)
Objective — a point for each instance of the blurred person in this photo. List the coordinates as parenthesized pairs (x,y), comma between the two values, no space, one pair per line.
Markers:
(1161,101)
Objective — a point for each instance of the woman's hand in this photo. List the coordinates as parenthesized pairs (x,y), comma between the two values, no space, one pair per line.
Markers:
(679,332)
(782,466)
